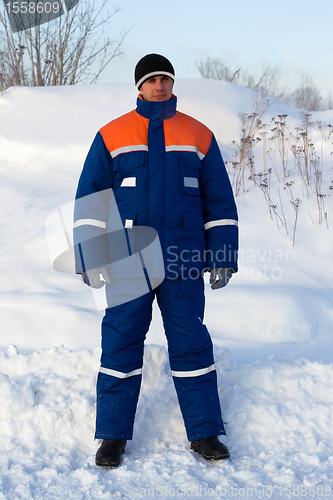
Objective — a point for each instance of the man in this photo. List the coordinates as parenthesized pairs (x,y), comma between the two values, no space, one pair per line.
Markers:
(166,172)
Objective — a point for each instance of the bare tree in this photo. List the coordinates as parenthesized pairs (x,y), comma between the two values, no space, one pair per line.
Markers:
(268,80)
(74,48)
(217,70)
(307,96)
(329,103)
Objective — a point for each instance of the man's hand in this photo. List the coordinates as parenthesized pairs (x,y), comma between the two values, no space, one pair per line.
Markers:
(93,277)
(220,276)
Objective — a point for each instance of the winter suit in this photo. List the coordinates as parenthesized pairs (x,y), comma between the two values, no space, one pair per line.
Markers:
(167,173)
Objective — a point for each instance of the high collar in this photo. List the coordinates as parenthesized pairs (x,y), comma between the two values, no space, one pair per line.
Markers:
(157,110)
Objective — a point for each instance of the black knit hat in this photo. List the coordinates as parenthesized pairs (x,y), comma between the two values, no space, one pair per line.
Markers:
(152,65)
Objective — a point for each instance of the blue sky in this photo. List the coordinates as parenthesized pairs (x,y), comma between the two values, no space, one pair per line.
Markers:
(293,34)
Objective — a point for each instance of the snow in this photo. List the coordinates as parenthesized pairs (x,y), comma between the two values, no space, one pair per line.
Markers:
(271,326)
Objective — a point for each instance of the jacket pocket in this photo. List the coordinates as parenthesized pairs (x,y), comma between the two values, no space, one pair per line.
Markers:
(126,161)
(128,219)
(119,241)
(190,173)
(130,172)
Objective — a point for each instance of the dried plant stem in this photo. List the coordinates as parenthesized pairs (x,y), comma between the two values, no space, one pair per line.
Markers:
(284,219)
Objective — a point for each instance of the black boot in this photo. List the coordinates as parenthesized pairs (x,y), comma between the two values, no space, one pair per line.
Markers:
(210,448)
(109,453)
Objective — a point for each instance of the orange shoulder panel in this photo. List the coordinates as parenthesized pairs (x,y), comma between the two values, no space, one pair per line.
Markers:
(130,129)
(183,130)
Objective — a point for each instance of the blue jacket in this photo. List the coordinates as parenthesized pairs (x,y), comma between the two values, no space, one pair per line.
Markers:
(166,172)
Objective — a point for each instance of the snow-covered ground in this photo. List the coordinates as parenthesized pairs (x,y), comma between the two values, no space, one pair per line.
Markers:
(271,326)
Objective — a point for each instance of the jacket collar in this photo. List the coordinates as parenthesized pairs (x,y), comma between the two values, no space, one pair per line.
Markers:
(155,110)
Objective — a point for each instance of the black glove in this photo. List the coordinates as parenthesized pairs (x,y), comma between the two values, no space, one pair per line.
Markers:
(92,277)
(220,276)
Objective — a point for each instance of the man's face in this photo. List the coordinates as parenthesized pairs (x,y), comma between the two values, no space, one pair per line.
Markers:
(157,88)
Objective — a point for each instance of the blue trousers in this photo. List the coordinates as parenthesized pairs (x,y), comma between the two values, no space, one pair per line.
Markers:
(124,330)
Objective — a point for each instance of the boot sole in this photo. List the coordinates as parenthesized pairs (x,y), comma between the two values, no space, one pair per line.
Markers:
(106,465)
(207,457)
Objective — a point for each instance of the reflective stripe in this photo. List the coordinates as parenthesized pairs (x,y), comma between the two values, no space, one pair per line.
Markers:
(155,73)
(128,182)
(117,374)
(143,147)
(191,182)
(194,373)
(129,223)
(221,222)
(128,149)
(177,147)
(90,222)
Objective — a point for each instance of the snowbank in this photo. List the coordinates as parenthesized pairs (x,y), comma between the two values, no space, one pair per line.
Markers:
(271,326)
(278,417)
